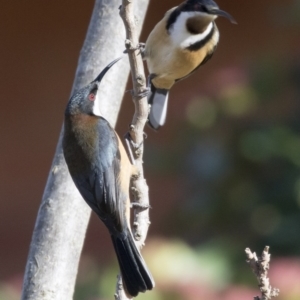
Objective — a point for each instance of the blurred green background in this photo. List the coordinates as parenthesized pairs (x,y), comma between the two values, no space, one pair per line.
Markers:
(223,173)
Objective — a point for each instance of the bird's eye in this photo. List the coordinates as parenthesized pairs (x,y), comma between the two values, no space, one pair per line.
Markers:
(92,97)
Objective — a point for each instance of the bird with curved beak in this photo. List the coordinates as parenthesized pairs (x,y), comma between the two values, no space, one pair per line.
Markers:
(101,171)
(179,44)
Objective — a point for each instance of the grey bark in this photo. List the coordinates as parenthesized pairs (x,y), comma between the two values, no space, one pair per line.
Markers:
(63,216)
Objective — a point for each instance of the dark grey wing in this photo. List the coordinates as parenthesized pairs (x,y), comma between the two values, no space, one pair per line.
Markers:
(100,185)
(110,198)
(85,184)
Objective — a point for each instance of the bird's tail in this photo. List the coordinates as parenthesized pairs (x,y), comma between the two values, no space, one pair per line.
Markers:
(135,274)
(158,100)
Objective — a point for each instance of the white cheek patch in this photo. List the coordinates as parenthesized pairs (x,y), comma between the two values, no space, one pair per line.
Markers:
(181,36)
(216,37)
(96,107)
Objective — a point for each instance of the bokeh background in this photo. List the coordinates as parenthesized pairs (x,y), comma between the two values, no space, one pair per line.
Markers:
(223,172)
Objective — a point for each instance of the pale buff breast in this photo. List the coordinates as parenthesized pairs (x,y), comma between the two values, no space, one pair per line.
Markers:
(126,171)
(177,65)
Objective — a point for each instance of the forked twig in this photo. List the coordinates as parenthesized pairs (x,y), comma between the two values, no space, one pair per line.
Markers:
(260,267)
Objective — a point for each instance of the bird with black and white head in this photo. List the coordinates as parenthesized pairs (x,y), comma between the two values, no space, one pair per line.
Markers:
(179,44)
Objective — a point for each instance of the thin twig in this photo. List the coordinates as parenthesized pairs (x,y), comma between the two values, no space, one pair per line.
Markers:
(260,267)
(120,293)
(139,188)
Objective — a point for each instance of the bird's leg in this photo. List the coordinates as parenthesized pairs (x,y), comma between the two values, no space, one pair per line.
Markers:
(130,47)
(147,91)
(133,149)
(142,94)
(149,79)
(141,47)
(129,144)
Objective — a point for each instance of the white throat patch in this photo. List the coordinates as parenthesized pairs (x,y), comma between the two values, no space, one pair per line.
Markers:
(181,36)
(96,107)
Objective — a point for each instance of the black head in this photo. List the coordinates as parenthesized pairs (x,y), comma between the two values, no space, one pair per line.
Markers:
(85,100)
(208,7)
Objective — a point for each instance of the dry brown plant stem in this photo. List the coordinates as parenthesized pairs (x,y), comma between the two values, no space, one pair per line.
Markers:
(260,267)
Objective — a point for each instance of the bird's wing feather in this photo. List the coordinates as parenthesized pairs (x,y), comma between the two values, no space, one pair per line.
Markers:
(100,184)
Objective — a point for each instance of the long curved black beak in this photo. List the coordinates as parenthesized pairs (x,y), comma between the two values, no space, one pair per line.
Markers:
(103,72)
(221,13)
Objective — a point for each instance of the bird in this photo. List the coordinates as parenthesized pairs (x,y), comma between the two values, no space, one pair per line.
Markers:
(178,45)
(101,170)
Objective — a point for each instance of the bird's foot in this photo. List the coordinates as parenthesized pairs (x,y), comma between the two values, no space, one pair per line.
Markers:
(142,94)
(130,47)
(141,47)
(133,149)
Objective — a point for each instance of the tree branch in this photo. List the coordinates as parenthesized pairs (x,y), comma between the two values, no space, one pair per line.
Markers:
(63,216)
(139,187)
(260,267)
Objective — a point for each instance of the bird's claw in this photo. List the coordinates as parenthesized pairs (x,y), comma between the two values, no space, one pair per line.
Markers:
(144,93)
(130,144)
(141,94)
(140,46)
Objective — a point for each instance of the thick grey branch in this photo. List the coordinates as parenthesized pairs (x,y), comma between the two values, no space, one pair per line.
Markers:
(260,267)
(63,216)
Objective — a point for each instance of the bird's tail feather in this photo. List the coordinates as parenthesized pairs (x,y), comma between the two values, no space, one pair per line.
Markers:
(158,100)
(135,274)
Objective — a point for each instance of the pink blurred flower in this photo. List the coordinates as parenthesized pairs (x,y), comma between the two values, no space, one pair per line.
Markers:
(238,293)
(285,275)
